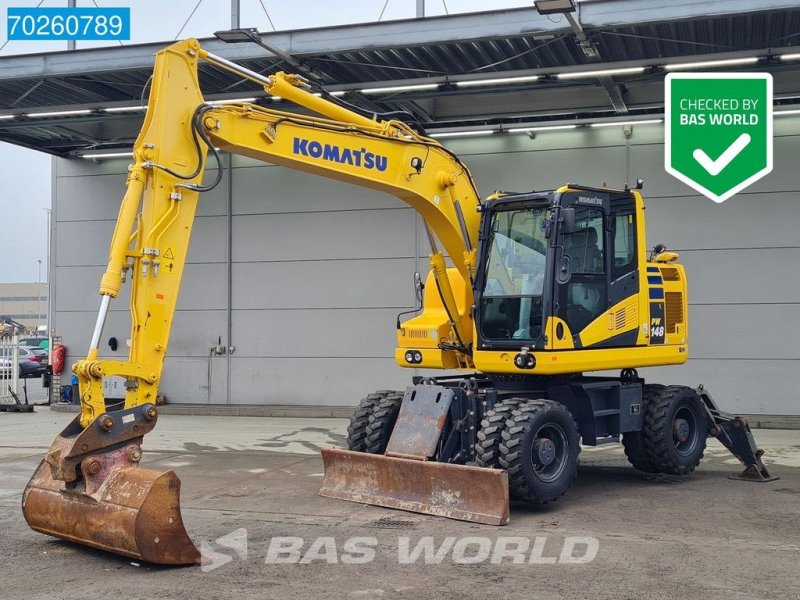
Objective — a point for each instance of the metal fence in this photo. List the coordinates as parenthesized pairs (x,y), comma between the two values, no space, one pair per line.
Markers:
(9,369)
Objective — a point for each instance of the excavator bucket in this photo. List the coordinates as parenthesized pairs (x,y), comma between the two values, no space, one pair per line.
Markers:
(90,490)
(447,490)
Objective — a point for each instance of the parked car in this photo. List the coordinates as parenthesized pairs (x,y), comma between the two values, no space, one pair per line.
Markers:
(30,368)
(34,342)
(40,353)
(32,362)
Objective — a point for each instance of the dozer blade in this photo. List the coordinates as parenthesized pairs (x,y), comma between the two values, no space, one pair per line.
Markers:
(90,490)
(455,491)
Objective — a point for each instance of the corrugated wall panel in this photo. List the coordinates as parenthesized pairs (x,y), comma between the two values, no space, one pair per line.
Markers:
(320,268)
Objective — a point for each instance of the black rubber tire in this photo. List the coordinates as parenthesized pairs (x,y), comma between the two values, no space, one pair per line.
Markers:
(517,447)
(487,448)
(662,445)
(357,429)
(633,441)
(381,423)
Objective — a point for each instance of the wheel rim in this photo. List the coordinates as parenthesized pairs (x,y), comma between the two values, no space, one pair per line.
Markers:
(549,452)
(685,433)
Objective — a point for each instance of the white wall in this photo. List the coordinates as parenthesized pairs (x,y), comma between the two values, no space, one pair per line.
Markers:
(319,269)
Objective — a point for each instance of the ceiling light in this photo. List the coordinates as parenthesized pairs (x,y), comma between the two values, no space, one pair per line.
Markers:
(601,73)
(60,113)
(107,155)
(712,63)
(399,88)
(790,57)
(497,80)
(623,123)
(114,109)
(235,36)
(230,101)
(779,113)
(543,128)
(337,93)
(4,117)
(549,7)
(446,134)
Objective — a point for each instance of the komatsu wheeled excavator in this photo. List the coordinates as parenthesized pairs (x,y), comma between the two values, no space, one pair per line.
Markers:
(543,288)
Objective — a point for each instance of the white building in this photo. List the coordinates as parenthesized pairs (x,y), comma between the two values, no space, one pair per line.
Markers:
(267,231)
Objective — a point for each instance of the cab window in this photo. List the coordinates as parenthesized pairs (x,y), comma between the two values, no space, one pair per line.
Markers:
(624,240)
(511,304)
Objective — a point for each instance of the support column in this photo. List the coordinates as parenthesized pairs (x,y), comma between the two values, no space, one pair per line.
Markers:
(71,43)
(235,14)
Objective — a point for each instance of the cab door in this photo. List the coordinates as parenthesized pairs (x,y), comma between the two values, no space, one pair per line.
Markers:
(597,280)
(581,282)
(624,277)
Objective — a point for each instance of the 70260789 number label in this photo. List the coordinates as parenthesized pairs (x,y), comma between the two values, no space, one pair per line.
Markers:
(68,23)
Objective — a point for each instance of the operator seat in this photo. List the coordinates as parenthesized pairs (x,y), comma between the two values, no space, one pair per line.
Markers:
(593,262)
(582,248)
(583,305)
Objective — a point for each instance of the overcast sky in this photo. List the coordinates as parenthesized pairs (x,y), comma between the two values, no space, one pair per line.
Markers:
(25,174)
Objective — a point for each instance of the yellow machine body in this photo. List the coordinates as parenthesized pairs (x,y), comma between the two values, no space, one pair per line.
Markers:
(149,249)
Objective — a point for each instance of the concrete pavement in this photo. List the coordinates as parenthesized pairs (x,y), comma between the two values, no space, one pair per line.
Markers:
(252,483)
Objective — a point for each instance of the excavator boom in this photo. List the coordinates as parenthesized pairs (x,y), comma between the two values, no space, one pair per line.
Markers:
(90,488)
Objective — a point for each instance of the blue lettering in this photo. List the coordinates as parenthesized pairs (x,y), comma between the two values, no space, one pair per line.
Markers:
(315,149)
(333,153)
(300,146)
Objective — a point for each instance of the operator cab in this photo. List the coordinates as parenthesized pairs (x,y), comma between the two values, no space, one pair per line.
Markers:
(560,258)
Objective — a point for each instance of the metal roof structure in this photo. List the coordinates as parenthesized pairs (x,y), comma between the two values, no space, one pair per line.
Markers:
(448,71)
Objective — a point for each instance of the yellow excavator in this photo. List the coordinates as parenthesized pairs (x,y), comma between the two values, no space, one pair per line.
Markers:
(543,288)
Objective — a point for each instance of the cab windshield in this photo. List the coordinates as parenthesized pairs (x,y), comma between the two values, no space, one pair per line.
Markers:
(511,303)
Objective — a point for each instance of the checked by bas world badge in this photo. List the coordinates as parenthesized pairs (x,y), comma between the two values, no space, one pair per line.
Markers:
(718,130)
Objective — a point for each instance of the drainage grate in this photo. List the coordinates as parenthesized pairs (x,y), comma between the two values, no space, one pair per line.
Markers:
(392,523)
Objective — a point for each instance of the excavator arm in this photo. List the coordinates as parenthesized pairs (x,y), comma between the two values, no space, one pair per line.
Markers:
(89,488)
(153,229)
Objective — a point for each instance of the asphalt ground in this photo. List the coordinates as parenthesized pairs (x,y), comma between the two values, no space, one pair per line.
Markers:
(250,501)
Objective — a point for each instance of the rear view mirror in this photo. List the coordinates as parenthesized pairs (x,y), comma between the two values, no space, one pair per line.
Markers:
(567,220)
